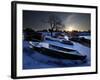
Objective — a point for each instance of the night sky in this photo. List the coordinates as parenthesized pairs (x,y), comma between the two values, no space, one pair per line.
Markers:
(38,20)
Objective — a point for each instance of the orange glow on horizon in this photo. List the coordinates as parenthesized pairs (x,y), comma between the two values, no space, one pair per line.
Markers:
(70,28)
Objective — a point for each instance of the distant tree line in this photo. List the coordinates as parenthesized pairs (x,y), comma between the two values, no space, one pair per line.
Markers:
(31,35)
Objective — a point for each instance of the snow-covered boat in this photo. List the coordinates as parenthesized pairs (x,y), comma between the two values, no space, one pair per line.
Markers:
(63,41)
(56,51)
(67,42)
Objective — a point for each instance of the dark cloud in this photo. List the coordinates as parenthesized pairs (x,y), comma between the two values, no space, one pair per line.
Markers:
(38,20)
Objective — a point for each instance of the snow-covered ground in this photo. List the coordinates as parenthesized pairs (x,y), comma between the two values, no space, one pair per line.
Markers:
(33,59)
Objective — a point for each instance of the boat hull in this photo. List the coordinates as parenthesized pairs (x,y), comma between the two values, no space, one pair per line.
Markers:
(59,54)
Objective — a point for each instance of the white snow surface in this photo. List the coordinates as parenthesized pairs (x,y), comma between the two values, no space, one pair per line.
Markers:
(33,59)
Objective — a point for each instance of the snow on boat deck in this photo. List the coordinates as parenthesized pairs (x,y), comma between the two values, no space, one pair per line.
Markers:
(35,60)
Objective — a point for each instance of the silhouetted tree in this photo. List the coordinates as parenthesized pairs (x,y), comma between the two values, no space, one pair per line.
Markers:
(55,23)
